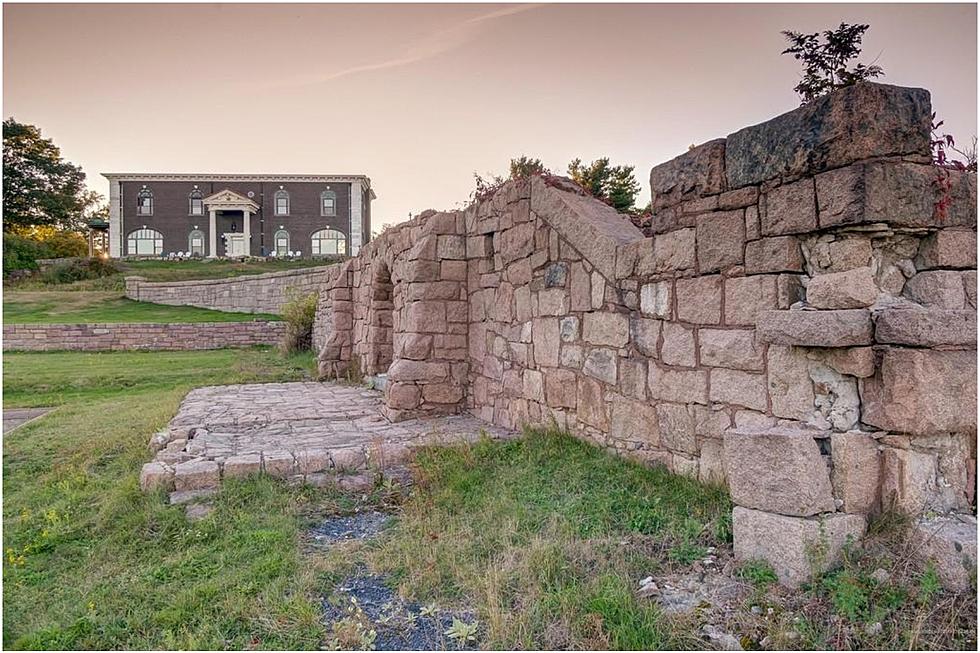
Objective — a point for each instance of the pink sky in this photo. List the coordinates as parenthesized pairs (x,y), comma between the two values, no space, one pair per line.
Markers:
(418,97)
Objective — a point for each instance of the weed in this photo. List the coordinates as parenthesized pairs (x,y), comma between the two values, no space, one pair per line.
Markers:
(758,572)
(462,632)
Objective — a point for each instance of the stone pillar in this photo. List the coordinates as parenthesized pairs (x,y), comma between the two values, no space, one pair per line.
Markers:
(212,233)
(356,217)
(248,232)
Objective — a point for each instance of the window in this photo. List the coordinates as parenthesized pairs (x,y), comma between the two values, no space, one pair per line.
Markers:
(328,203)
(196,199)
(281,243)
(195,243)
(328,241)
(282,202)
(144,242)
(144,202)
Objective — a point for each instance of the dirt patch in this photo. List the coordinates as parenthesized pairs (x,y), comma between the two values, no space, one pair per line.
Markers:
(359,526)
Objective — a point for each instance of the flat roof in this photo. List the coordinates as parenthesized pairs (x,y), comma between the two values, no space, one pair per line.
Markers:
(184,176)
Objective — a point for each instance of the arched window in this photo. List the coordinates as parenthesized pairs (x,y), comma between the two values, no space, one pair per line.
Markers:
(328,241)
(195,243)
(196,200)
(144,202)
(282,202)
(280,243)
(144,242)
(328,203)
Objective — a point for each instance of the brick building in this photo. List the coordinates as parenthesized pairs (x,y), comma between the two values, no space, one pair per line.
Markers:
(238,215)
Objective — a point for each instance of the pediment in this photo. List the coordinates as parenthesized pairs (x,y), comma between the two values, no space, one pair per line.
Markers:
(230,200)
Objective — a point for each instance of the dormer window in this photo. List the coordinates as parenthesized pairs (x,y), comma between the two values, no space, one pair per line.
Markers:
(328,203)
(282,202)
(144,202)
(196,201)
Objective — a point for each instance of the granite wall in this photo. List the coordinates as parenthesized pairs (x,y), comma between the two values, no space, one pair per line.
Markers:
(127,337)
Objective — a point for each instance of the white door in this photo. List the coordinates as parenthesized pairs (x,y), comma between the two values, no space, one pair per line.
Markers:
(235,245)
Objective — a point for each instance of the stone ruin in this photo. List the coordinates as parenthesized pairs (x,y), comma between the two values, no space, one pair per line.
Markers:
(797,320)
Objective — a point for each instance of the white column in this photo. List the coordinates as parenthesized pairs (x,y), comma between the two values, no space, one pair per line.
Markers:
(116,234)
(356,217)
(248,233)
(212,234)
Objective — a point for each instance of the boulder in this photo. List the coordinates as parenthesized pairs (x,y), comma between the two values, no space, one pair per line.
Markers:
(776,254)
(796,547)
(851,289)
(699,171)
(837,328)
(721,240)
(856,471)
(948,248)
(950,543)
(859,122)
(777,470)
(922,392)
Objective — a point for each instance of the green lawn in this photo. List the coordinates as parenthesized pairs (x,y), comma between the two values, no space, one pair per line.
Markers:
(72,307)
(159,270)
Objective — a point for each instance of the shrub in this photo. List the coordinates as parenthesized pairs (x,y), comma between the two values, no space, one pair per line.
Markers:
(78,270)
(20,253)
(299,313)
(826,57)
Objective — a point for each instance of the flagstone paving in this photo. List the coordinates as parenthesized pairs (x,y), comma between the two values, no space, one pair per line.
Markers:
(300,431)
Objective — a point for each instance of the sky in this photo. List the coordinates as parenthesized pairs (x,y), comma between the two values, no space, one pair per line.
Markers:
(419,97)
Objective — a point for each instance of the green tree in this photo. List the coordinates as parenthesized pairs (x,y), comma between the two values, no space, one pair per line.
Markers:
(524,167)
(825,62)
(39,187)
(614,184)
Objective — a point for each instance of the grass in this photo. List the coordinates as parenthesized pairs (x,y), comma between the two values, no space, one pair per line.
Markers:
(55,378)
(91,562)
(61,307)
(163,270)
(546,537)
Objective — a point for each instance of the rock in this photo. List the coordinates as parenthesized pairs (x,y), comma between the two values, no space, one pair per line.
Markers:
(547,339)
(698,172)
(242,465)
(747,297)
(908,480)
(647,589)
(732,348)
(922,392)
(721,240)
(948,248)
(836,253)
(699,299)
(590,406)
(738,388)
(184,497)
(835,398)
(859,122)
(155,475)
(790,386)
(927,327)
(279,463)
(777,470)
(676,429)
(838,328)
(645,334)
(656,299)
(634,421)
(198,511)
(196,475)
(852,361)
(601,364)
(722,641)
(937,289)
(776,254)
(856,471)
(678,345)
(796,547)
(881,576)
(951,544)
(606,328)
(682,386)
(851,289)
(789,209)
(673,251)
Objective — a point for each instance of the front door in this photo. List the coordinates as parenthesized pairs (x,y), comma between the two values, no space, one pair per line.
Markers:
(235,244)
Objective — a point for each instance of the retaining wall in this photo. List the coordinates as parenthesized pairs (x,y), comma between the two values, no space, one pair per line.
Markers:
(797,319)
(127,336)
(255,293)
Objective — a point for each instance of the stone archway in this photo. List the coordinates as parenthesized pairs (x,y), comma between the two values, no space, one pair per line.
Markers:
(380,322)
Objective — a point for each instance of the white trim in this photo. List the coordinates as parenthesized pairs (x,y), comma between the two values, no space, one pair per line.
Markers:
(115,220)
(356,218)
(169,176)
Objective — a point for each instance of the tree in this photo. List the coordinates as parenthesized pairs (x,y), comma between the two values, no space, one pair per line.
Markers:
(826,61)
(613,184)
(39,187)
(524,167)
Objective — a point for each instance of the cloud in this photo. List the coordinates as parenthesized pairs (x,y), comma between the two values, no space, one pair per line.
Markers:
(433,45)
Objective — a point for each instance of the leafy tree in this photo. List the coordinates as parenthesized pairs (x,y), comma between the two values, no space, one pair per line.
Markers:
(614,184)
(39,187)
(524,167)
(826,61)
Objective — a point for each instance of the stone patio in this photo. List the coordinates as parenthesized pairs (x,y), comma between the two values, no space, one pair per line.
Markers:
(309,432)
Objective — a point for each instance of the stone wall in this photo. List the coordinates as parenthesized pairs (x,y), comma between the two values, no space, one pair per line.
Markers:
(796,319)
(254,293)
(127,336)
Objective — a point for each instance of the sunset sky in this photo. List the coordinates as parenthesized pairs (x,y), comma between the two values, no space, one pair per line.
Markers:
(418,97)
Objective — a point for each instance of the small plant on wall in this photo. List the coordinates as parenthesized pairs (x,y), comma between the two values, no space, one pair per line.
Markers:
(827,60)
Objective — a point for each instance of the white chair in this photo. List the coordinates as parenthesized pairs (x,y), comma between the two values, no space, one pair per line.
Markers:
(299,254)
